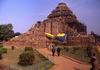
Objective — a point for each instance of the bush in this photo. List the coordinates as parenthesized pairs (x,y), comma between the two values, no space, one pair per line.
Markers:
(1,45)
(26,58)
(74,49)
(28,49)
(3,50)
(66,49)
(88,51)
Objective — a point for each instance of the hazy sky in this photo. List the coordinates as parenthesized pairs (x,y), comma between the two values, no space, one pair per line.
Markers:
(24,13)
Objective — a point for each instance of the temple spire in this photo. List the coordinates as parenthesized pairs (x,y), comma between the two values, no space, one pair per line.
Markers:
(61,10)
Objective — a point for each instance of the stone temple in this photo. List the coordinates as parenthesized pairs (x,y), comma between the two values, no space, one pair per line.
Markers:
(60,20)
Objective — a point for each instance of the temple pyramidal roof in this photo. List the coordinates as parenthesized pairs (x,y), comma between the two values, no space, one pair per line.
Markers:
(61,10)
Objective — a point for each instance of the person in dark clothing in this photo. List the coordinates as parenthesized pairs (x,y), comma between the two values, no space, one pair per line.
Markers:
(0,56)
(53,51)
(93,62)
(58,51)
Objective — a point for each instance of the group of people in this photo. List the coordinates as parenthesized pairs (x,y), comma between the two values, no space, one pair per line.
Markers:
(55,49)
(93,61)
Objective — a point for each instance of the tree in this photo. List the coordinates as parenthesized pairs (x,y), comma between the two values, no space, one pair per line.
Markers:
(17,33)
(92,33)
(10,27)
(6,32)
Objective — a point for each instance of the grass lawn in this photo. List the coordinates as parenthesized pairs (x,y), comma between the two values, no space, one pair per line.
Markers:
(11,59)
(78,54)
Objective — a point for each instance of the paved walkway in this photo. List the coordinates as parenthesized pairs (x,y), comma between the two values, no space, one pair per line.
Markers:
(62,63)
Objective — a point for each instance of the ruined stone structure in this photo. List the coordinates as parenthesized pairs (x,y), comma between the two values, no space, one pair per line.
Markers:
(60,20)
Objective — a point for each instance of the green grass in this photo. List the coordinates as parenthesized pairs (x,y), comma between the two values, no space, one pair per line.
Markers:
(3,50)
(78,54)
(40,62)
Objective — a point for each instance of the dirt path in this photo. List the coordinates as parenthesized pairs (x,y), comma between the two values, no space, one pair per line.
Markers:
(62,63)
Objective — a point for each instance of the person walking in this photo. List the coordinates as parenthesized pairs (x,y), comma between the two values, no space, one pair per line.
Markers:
(58,51)
(53,50)
(94,62)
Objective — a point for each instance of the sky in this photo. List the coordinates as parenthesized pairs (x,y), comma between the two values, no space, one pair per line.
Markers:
(22,14)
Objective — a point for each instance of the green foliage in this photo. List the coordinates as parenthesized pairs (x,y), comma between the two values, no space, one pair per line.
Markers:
(38,63)
(28,49)
(88,50)
(74,49)
(66,49)
(42,57)
(1,45)
(6,32)
(26,58)
(17,33)
(78,53)
(3,50)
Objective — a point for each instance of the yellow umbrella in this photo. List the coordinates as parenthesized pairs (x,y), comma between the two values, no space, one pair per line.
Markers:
(49,35)
(61,34)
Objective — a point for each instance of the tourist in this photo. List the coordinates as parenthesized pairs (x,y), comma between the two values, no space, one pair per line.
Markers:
(93,62)
(53,50)
(50,47)
(0,56)
(58,51)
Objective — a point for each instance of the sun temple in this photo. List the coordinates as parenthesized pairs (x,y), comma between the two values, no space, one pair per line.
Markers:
(60,20)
